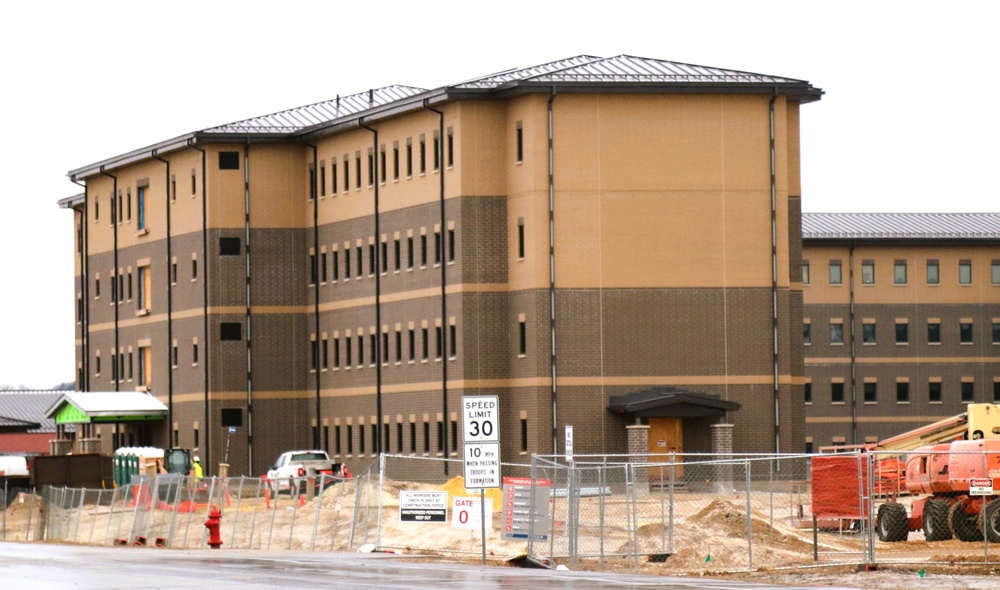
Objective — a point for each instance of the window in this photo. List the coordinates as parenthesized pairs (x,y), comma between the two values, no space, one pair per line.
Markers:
(426,343)
(519,141)
(375,440)
(399,437)
(312,183)
(423,250)
(968,392)
(145,366)
(837,392)
(451,245)
(97,210)
(805,272)
(373,341)
(965,272)
(312,269)
(437,247)
(350,439)
(229,246)
(97,287)
(868,272)
(357,169)
(836,333)
(347,351)
(173,273)
(934,332)
(314,354)
(524,435)
(899,272)
(427,437)
(440,437)
(194,186)
(399,345)
(336,265)
(995,272)
(333,182)
(121,286)
(194,269)
(361,350)
(437,152)
(397,249)
(806,333)
(385,257)
(871,392)
(347,264)
(97,364)
(807,392)
(451,147)
(965,332)
(140,202)
(454,436)
(902,392)
(902,333)
(439,342)
(409,252)
(231,331)
(395,162)
(347,174)
(322,267)
(194,353)
(371,167)
(383,354)
(413,437)
(128,204)
(934,392)
(836,275)
(325,353)
(452,340)
(522,331)
(336,352)
(933,272)
(130,365)
(322,179)
(996,332)
(868,333)
(359,272)
(229,160)
(996,391)
(423,154)
(371,260)
(129,285)
(361,439)
(145,285)
(520,239)
(382,165)
(409,157)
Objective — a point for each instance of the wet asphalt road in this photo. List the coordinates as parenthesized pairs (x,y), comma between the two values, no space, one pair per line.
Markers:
(41,566)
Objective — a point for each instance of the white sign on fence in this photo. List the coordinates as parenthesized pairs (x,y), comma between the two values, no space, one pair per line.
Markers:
(423,506)
(466,513)
(981,487)
(569,443)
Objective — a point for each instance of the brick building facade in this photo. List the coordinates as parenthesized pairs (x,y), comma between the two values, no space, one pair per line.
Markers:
(340,274)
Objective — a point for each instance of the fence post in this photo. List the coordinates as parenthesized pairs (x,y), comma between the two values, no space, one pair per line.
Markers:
(671,523)
(253,519)
(319,506)
(601,481)
(381,484)
(79,515)
(746,466)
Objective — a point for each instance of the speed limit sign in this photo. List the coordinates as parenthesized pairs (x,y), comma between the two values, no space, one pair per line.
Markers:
(481,438)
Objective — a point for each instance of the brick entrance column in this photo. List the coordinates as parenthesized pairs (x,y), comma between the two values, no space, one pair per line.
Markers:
(638,450)
(722,445)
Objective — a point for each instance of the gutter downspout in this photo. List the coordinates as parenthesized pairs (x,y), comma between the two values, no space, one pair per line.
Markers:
(444,299)
(204,289)
(85,288)
(552,273)
(774,277)
(170,310)
(114,277)
(378,292)
(854,380)
(314,193)
(249,299)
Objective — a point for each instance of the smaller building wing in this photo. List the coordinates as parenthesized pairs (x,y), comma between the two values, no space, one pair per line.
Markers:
(880,226)
(77,407)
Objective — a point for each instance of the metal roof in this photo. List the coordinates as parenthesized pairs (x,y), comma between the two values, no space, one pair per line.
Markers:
(109,403)
(583,73)
(299,118)
(29,406)
(623,69)
(887,226)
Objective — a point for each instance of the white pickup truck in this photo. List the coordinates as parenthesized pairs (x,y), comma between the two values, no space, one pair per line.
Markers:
(293,470)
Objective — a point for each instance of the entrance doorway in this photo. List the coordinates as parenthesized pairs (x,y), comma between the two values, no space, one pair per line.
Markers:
(666,435)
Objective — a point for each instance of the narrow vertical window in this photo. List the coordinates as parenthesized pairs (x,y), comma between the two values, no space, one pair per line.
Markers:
(325,353)
(314,354)
(452,347)
(381,163)
(371,167)
(373,342)
(427,437)
(933,272)
(805,272)
(806,333)
(423,154)
(398,255)
(384,353)
(336,352)
(322,267)
(413,437)
(836,276)
(423,250)
(413,344)
(807,392)
(440,437)
(519,141)
(522,332)
(140,201)
(451,245)
(395,160)
(867,272)
(965,272)
(347,264)
(336,265)
(385,257)
(437,152)
(322,179)
(350,439)
(437,247)
(312,182)
(520,239)
(360,271)
(333,176)
(451,147)
(312,269)
(424,336)
(995,272)
(371,260)
(357,170)
(399,345)
(399,437)
(409,252)
(439,342)
(347,174)
(409,157)
(347,352)
(899,272)
(524,435)
(361,350)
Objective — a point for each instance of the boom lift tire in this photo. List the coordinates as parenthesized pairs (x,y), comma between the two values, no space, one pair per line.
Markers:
(964,526)
(991,521)
(892,523)
(936,520)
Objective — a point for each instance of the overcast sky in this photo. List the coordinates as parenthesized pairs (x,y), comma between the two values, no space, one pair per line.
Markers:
(909,121)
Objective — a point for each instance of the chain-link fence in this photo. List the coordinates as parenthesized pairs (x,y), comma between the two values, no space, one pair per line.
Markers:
(678,513)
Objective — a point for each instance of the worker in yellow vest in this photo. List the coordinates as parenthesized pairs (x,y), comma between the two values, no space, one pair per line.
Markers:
(196,469)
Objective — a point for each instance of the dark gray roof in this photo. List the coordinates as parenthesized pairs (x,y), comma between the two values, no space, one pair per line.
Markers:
(293,120)
(583,73)
(670,401)
(896,226)
(623,69)
(29,406)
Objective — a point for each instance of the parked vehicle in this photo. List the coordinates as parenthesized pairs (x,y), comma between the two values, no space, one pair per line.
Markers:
(294,469)
(13,466)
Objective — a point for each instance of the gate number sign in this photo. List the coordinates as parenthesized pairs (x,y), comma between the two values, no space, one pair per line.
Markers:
(481,438)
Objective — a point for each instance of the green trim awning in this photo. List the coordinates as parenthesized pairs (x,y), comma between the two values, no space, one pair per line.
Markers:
(85,407)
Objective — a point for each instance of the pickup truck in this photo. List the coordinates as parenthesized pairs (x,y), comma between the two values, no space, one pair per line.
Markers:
(293,470)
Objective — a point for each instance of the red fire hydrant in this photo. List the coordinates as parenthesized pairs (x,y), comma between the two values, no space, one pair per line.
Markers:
(212,524)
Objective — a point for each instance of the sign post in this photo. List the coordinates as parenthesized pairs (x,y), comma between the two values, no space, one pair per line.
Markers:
(481,440)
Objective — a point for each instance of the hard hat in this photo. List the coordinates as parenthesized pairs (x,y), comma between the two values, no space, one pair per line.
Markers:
(196,459)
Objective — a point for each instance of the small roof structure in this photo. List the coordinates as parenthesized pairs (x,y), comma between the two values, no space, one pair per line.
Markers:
(83,407)
(23,411)
(900,226)
(672,402)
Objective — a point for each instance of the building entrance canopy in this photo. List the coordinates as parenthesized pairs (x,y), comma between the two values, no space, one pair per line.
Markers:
(661,402)
(85,407)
